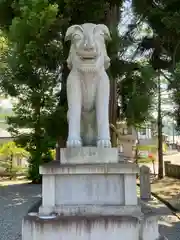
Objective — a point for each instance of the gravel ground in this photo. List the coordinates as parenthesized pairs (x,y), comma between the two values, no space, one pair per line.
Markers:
(170,227)
(15,201)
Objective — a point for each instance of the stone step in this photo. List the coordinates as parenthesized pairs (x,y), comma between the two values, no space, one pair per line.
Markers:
(89,228)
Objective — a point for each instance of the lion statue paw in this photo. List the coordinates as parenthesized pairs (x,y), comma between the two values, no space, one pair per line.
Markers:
(74,143)
(104,143)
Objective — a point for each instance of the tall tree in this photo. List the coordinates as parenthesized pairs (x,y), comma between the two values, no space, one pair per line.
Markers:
(35,53)
(36,62)
(160,137)
(163,17)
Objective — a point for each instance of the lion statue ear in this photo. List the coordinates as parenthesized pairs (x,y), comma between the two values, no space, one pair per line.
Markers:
(72,30)
(105,31)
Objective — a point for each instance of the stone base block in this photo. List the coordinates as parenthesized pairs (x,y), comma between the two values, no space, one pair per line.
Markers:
(111,184)
(88,155)
(90,228)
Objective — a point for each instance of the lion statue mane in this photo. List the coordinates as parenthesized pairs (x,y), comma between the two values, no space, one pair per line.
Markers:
(88,86)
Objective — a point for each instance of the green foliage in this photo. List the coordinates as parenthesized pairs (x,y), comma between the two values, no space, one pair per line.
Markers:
(137,89)
(86,11)
(10,152)
(10,148)
(175,87)
(135,79)
(34,56)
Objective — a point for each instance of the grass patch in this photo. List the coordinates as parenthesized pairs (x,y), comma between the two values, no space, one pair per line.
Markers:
(145,160)
(3,116)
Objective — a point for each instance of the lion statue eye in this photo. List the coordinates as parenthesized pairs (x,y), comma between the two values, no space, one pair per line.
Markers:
(76,36)
(100,36)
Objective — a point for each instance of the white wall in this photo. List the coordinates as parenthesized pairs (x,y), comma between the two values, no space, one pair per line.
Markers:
(146,135)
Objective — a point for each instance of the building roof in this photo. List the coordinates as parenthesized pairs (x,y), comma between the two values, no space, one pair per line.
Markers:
(5,134)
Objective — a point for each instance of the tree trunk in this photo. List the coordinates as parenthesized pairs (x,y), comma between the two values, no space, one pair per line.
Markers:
(113,110)
(61,143)
(160,138)
(63,102)
(113,20)
(11,166)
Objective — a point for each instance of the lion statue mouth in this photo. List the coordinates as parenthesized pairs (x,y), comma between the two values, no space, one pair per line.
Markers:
(87,57)
(88,62)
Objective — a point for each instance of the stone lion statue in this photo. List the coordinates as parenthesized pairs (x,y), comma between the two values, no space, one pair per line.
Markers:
(88,86)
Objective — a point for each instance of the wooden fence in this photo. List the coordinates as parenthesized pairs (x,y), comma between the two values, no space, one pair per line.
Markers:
(172,170)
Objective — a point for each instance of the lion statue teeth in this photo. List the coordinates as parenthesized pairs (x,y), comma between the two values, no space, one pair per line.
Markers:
(88,86)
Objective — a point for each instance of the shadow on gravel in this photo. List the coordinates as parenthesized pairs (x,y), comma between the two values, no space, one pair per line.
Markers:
(170,230)
(168,189)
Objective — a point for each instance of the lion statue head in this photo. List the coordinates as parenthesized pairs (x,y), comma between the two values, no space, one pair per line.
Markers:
(88,50)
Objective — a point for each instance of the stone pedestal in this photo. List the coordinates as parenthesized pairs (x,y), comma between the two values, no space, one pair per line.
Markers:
(89,188)
(93,196)
(89,155)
